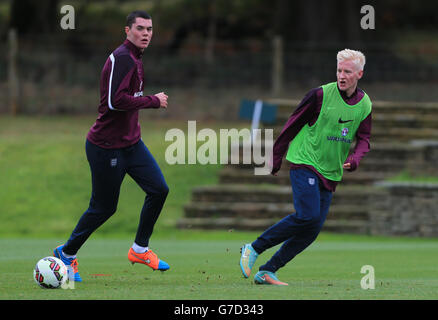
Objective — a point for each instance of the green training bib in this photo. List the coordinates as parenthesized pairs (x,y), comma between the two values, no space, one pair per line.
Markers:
(325,144)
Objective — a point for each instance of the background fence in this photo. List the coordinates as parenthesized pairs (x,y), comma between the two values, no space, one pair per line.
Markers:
(219,46)
(45,59)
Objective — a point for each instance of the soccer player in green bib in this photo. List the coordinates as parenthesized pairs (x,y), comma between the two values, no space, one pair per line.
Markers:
(316,140)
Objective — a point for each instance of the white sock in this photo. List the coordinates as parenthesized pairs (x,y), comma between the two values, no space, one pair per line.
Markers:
(69,256)
(139,249)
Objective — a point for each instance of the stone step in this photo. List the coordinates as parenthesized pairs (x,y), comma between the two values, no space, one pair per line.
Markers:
(380,107)
(385,120)
(397,150)
(393,150)
(266,210)
(379,134)
(362,178)
(230,175)
(367,164)
(398,120)
(232,193)
(237,209)
(404,134)
(407,107)
(388,133)
(242,193)
(237,223)
(347,226)
(386,157)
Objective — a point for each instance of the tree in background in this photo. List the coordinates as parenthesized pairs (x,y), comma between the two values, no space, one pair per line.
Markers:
(32,17)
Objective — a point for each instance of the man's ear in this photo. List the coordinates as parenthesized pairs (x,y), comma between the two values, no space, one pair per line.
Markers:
(127,30)
(360,74)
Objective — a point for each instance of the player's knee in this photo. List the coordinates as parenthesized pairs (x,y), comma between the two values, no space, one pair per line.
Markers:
(100,206)
(109,210)
(100,213)
(311,218)
(162,190)
(314,225)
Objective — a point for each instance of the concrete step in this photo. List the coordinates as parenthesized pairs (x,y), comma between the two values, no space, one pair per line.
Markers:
(391,120)
(266,210)
(237,223)
(385,120)
(367,164)
(404,134)
(387,151)
(405,120)
(242,193)
(380,107)
(230,175)
(347,226)
(237,209)
(393,150)
(388,133)
(232,193)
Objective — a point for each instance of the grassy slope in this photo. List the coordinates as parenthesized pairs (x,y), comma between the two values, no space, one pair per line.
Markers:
(45,178)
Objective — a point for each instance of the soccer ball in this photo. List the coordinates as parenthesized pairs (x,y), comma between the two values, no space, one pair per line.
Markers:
(50,273)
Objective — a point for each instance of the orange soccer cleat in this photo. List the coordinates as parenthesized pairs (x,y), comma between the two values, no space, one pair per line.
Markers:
(148,258)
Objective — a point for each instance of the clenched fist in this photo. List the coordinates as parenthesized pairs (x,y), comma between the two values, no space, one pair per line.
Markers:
(163,99)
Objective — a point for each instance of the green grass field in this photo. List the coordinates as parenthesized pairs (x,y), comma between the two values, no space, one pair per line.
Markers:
(204,266)
(45,187)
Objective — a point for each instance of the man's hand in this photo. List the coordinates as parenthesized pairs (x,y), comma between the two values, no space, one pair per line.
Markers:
(163,99)
(271,167)
(347,166)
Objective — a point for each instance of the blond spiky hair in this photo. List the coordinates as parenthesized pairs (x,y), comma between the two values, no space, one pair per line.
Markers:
(357,57)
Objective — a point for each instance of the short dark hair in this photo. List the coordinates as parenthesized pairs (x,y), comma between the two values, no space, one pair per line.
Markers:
(130,19)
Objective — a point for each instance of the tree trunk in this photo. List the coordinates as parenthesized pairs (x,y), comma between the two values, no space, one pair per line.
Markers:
(211,33)
(277,65)
(13,85)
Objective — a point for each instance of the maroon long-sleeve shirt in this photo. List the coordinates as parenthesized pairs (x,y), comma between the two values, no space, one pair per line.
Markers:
(121,97)
(307,112)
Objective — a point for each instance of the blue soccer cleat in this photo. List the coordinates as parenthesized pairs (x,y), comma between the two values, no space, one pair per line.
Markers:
(247,259)
(267,277)
(71,264)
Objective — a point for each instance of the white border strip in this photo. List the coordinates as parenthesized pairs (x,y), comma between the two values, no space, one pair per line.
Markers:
(113,61)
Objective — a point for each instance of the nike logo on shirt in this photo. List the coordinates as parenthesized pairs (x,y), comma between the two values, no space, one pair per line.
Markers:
(344,121)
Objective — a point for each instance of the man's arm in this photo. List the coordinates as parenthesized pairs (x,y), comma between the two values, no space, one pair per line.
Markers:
(122,70)
(362,144)
(306,112)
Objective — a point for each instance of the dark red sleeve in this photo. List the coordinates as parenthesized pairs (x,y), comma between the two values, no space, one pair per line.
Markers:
(121,99)
(362,143)
(306,112)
